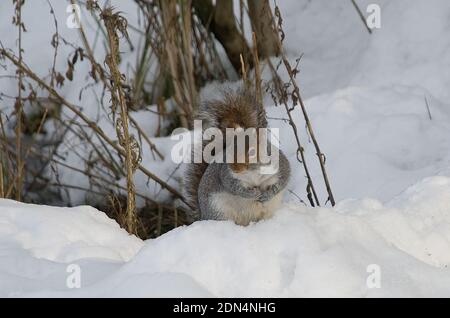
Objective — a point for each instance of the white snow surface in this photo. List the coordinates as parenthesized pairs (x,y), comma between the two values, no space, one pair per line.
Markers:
(301,252)
(388,162)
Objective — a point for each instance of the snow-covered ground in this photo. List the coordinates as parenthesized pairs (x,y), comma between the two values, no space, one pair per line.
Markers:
(300,252)
(389,166)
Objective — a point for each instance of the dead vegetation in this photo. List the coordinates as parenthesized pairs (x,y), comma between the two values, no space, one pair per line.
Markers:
(177,54)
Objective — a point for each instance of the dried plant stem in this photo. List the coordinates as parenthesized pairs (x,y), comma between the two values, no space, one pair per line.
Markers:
(258,81)
(361,15)
(149,142)
(50,158)
(2,186)
(241,20)
(111,21)
(244,74)
(55,44)
(178,60)
(319,153)
(27,153)
(5,159)
(310,189)
(98,70)
(428,108)
(187,60)
(297,99)
(91,124)
(19,105)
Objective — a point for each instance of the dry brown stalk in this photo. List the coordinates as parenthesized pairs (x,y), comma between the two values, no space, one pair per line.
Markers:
(244,74)
(5,159)
(19,105)
(91,124)
(297,100)
(144,135)
(116,24)
(27,153)
(2,186)
(258,81)
(97,70)
(310,188)
(177,45)
(361,16)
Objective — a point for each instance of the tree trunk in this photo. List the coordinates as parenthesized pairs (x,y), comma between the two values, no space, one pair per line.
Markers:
(262,24)
(221,22)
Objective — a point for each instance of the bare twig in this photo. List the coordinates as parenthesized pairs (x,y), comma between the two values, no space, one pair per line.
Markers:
(310,189)
(428,108)
(27,153)
(361,15)
(91,124)
(19,105)
(297,100)
(258,90)
(244,73)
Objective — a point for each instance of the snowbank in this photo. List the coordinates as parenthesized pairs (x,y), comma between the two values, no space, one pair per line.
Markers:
(321,252)
(65,234)
(300,252)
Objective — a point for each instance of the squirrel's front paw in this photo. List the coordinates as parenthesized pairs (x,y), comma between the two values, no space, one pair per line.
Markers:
(268,194)
(250,193)
(264,197)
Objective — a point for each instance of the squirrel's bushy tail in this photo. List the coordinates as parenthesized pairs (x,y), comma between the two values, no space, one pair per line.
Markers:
(193,176)
(237,108)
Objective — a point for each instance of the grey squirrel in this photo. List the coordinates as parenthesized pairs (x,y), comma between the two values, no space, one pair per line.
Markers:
(235,191)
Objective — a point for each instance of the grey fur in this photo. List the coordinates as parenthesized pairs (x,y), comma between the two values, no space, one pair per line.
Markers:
(211,112)
(219,178)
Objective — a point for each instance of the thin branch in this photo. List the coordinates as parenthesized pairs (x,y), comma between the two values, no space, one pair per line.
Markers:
(428,108)
(297,99)
(310,189)
(19,104)
(361,15)
(100,133)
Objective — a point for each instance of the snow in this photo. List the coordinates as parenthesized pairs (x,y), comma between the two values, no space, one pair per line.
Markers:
(312,252)
(388,162)
(301,252)
(61,234)
(378,141)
